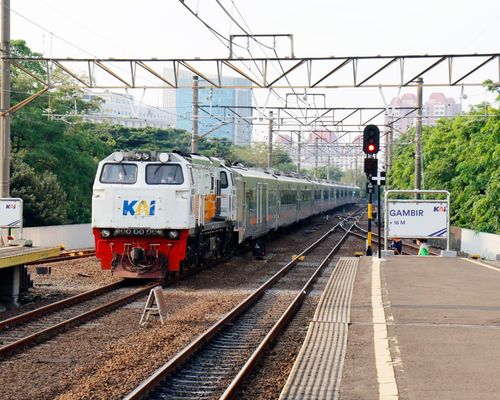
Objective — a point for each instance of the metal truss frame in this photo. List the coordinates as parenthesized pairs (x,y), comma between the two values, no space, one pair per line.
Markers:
(307,72)
(327,117)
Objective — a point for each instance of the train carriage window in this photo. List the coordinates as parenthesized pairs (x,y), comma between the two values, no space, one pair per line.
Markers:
(224,184)
(164,174)
(251,200)
(119,173)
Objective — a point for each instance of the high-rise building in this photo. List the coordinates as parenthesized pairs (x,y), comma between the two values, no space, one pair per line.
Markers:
(236,128)
(439,106)
(436,107)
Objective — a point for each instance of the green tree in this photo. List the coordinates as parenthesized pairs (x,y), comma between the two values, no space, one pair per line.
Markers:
(461,155)
(44,200)
(52,147)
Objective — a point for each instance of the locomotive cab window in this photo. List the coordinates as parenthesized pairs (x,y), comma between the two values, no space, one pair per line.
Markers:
(164,174)
(119,173)
(223,180)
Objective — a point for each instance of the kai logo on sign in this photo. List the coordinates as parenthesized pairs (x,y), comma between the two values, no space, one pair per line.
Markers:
(10,206)
(440,209)
(136,207)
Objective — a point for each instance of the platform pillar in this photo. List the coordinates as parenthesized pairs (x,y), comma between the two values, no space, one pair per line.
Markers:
(10,285)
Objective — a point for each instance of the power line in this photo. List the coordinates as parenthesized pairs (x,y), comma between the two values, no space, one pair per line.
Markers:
(48,31)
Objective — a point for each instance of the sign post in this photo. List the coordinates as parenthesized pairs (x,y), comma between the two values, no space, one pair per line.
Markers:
(412,219)
(379,180)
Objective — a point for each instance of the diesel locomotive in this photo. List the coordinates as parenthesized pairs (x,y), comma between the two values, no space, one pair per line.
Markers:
(157,213)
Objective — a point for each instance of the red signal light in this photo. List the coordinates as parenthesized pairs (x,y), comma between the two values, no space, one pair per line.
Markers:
(371,139)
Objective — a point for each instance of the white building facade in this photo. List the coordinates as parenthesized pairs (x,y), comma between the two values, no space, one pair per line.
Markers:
(122,109)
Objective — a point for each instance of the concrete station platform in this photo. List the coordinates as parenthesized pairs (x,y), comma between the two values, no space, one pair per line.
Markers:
(420,328)
(12,260)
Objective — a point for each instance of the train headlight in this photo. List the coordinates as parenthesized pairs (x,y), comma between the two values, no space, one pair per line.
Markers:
(118,157)
(105,233)
(163,157)
(173,234)
(138,156)
(146,156)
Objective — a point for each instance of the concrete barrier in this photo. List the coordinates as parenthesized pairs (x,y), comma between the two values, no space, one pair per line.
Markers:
(71,236)
(485,244)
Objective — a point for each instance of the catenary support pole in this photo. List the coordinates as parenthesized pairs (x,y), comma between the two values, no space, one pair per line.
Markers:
(270,142)
(5,99)
(298,152)
(316,157)
(418,137)
(194,135)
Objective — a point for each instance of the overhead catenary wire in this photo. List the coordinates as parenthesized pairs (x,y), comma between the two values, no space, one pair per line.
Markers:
(247,31)
(53,34)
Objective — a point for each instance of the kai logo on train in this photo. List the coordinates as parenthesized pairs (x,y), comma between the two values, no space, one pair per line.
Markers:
(137,208)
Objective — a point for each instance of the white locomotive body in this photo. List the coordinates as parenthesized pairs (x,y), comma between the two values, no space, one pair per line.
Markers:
(154,213)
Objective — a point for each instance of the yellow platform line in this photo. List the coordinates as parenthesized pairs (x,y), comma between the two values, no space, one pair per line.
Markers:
(481,264)
(34,255)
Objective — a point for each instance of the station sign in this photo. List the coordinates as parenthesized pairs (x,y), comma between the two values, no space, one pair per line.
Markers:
(417,219)
(11,213)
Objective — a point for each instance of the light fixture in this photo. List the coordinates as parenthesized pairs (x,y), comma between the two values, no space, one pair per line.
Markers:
(105,233)
(118,157)
(173,234)
(163,157)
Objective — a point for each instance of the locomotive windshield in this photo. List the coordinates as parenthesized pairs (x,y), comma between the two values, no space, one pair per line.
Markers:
(164,174)
(119,173)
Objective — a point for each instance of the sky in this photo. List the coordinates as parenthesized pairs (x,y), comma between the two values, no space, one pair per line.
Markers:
(166,29)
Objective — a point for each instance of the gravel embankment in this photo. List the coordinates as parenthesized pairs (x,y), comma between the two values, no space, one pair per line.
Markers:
(108,357)
(270,375)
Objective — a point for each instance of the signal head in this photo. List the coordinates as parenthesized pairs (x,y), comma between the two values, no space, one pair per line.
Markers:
(371,139)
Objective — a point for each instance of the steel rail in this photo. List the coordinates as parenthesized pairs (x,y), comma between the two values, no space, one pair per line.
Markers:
(190,350)
(411,246)
(55,329)
(59,305)
(280,324)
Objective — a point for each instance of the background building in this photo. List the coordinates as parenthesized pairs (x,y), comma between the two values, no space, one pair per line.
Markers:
(235,128)
(437,106)
(122,109)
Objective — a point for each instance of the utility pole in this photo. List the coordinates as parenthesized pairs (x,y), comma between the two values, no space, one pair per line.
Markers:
(270,142)
(194,135)
(418,137)
(5,100)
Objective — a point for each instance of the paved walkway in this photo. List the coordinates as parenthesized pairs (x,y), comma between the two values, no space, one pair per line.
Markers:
(442,330)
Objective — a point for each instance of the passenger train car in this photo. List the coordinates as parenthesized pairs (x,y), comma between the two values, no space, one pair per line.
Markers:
(156,213)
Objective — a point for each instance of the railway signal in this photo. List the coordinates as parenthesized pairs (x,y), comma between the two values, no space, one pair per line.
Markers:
(371,139)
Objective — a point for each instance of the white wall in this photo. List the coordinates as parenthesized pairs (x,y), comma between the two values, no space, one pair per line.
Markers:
(71,236)
(485,244)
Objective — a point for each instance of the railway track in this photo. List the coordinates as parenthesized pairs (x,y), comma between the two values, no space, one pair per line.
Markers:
(215,364)
(406,244)
(45,322)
